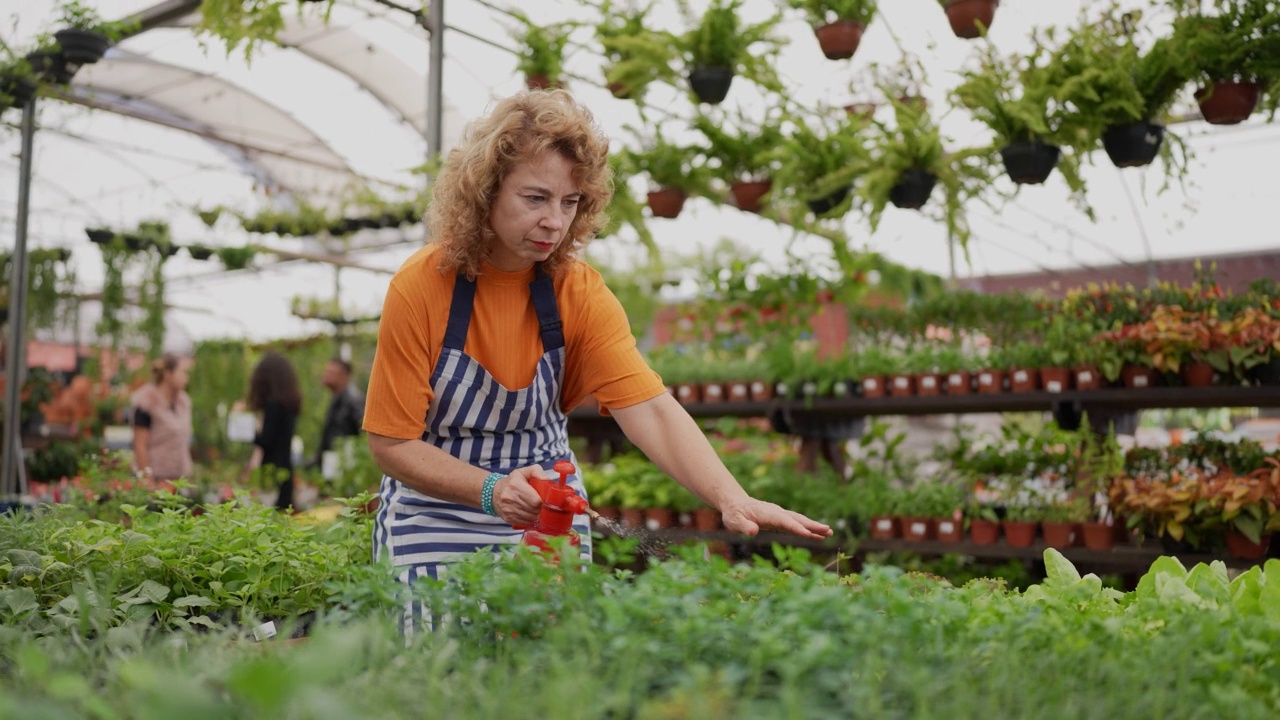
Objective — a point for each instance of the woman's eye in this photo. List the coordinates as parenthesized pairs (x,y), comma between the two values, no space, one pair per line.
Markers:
(572,202)
(535,198)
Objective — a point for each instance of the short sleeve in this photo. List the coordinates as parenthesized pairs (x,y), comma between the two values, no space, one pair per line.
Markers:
(141,418)
(399,393)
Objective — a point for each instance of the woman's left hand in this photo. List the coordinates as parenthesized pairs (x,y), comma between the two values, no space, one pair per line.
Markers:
(749,516)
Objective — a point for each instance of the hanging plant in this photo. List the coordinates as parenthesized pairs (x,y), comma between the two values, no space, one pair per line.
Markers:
(720,45)
(236,258)
(636,55)
(542,51)
(624,208)
(47,279)
(250,23)
(17,84)
(200,252)
(970,19)
(1236,49)
(838,24)
(151,296)
(85,37)
(744,160)
(210,217)
(115,261)
(818,162)
(675,172)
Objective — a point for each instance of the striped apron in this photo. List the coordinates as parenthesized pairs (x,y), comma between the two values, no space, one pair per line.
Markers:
(476,419)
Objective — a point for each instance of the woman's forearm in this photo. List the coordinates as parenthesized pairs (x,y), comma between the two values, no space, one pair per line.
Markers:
(665,432)
(428,469)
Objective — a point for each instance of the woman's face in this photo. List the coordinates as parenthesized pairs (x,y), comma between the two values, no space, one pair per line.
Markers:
(531,214)
(177,378)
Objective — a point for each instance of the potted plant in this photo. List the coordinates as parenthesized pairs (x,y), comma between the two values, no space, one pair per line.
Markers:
(873,367)
(1023,360)
(720,46)
(817,163)
(983,522)
(1235,50)
(1129,91)
(991,377)
(236,258)
(743,159)
(1022,103)
(18,84)
(675,173)
(955,366)
(970,18)
(838,24)
(85,37)
(542,51)
(637,55)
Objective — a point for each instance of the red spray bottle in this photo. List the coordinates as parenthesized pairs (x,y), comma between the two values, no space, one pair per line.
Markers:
(559,504)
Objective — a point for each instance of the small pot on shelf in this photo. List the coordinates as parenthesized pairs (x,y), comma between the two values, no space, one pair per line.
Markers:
(928,384)
(983,532)
(607,512)
(1098,536)
(659,518)
(990,381)
(761,390)
(706,519)
(1138,376)
(839,40)
(959,383)
(1240,546)
(1023,380)
(738,391)
(1055,379)
(902,385)
(713,392)
(689,393)
(948,530)
(632,517)
(1061,535)
(1197,374)
(1018,533)
(1087,377)
(884,527)
(873,386)
(917,529)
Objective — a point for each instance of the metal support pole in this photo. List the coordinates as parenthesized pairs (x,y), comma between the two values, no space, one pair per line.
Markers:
(435,80)
(951,252)
(12,479)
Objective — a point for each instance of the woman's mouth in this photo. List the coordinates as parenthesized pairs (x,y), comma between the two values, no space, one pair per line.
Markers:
(543,246)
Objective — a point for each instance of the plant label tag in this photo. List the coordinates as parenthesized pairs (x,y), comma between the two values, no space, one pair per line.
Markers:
(956,380)
(884,525)
(757,388)
(986,379)
(919,528)
(1054,386)
(946,527)
(809,388)
(929,381)
(841,388)
(869,384)
(713,391)
(1084,377)
(901,383)
(265,631)
(651,525)
(738,391)
(1139,380)
(783,389)
(1020,376)
(686,393)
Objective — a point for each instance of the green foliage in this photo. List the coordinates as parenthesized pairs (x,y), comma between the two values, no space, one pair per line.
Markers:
(624,207)
(250,23)
(822,12)
(719,38)
(745,153)
(671,166)
(237,258)
(543,46)
(637,55)
(819,157)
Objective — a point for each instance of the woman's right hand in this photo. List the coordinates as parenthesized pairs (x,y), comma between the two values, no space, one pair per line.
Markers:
(514,498)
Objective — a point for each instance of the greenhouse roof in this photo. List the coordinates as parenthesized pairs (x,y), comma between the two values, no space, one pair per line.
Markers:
(169,123)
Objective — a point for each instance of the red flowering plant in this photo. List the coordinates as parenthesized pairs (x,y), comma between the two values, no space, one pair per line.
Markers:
(1172,336)
(1252,338)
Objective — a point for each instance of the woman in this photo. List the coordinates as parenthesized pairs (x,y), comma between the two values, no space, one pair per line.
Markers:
(162,422)
(493,330)
(274,392)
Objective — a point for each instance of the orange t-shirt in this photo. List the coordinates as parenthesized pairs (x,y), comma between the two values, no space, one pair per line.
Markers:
(601,357)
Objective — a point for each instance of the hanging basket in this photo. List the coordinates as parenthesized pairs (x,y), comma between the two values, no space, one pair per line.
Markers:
(1029,163)
(1133,144)
(747,194)
(839,40)
(1228,103)
(667,202)
(199,252)
(711,84)
(83,47)
(821,207)
(971,18)
(620,91)
(51,67)
(913,189)
(20,89)
(101,236)
(866,110)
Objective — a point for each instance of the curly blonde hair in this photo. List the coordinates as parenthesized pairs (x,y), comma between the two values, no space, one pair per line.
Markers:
(520,127)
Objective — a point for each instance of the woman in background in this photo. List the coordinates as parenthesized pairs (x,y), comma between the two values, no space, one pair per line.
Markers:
(274,393)
(161,412)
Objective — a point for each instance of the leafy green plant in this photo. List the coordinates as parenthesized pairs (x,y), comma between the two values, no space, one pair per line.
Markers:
(822,12)
(672,166)
(718,37)
(746,154)
(542,47)
(820,158)
(637,54)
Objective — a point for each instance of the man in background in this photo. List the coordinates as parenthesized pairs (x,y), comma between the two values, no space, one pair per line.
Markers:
(345,414)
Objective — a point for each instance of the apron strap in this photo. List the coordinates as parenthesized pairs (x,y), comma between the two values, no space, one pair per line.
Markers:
(544,302)
(464,295)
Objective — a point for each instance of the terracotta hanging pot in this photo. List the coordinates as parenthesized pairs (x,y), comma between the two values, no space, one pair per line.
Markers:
(864,110)
(840,39)
(913,189)
(711,84)
(747,194)
(968,18)
(667,202)
(1133,144)
(1029,163)
(1228,103)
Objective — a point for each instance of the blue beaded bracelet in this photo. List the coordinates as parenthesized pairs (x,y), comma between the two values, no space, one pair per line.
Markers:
(486,493)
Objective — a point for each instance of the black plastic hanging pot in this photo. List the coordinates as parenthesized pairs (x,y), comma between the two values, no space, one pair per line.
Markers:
(1133,144)
(101,236)
(52,67)
(83,47)
(825,205)
(20,89)
(711,84)
(1029,163)
(913,189)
